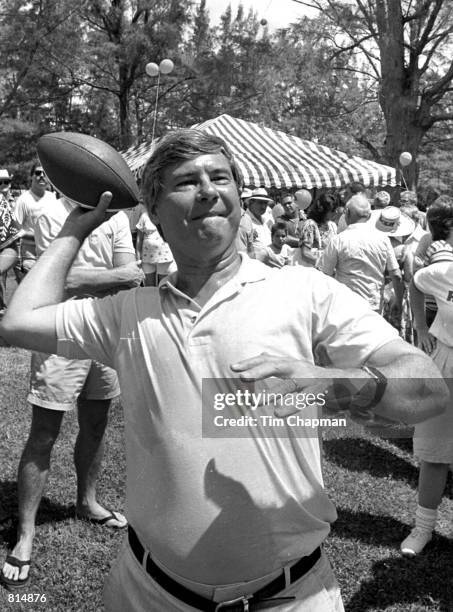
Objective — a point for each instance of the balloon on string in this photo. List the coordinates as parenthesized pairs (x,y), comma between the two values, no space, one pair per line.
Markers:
(166,66)
(152,69)
(303,198)
(405,158)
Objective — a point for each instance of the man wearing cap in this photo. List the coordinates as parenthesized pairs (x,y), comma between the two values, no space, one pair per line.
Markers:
(28,207)
(291,219)
(360,256)
(9,234)
(262,220)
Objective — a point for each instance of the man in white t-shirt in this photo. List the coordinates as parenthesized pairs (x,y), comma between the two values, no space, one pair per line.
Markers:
(28,207)
(104,264)
(219,521)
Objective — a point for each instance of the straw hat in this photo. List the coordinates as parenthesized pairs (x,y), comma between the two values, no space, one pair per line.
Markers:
(260,194)
(392,221)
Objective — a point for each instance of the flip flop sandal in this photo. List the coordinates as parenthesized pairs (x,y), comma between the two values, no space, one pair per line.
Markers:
(15,562)
(103,521)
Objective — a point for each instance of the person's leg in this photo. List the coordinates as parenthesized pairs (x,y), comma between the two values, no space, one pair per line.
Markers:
(88,453)
(100,388)
(149,270)
(431,485)
(32,477)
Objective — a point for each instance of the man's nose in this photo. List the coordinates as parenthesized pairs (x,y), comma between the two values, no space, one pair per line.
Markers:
(207,190)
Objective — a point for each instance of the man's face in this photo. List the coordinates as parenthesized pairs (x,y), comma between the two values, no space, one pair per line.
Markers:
(38,178)
(198,207)
(257,207)
(290,207)
(5,184)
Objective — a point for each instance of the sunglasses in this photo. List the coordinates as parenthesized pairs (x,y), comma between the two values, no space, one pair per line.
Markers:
(39,173)
(5,181)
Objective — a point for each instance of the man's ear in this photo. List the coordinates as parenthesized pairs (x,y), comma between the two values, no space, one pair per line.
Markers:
(155,219)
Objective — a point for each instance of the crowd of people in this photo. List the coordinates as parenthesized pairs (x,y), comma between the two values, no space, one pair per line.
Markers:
(223,283)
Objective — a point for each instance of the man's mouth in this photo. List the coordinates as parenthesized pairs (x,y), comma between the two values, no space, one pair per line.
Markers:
(206,215)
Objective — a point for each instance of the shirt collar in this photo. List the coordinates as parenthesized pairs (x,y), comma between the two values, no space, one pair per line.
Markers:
(250,271)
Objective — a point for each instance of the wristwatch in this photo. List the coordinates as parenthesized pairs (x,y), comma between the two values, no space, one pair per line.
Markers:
(381,384)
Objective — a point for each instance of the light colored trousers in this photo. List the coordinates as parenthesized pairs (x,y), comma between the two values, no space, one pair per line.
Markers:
(129,587)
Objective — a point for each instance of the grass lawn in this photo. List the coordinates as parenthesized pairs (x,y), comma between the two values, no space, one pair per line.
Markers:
(372,482)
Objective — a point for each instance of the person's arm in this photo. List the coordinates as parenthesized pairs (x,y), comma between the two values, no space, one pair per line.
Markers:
(126,273)
(425,340)
(415,388)
(329,258)
(30,319)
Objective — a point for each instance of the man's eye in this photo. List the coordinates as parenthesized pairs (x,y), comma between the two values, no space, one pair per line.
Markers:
(221,178)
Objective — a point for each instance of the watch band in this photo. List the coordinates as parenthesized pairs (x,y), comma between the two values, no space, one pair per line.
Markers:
(381,383)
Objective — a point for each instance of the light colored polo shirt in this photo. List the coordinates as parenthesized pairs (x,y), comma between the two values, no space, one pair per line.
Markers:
(437,280)
(359,257)
(220,510)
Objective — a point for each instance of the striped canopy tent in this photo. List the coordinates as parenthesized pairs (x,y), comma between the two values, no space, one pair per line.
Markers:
(269,158)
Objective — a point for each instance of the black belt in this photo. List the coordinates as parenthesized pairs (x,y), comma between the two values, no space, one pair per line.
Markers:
(240,604)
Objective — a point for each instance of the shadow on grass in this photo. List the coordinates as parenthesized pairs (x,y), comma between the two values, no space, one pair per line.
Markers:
(361,455)
(48,512)
(397,580)
(409,582)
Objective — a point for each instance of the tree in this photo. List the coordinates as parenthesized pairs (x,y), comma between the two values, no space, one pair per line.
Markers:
(123,36)
(404,47)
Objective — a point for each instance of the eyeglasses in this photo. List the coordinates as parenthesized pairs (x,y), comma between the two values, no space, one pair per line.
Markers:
(39,173)
(5,181)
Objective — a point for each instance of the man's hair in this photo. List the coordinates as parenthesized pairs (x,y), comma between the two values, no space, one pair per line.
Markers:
(278,225)
(358,207)
(325,204)
(179,146)
(356,187)
(440,217)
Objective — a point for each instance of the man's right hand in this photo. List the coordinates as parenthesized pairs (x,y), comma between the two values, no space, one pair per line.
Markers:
(81,222)
(130,274)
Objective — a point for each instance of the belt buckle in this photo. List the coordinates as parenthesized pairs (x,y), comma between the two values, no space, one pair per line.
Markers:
(223,605)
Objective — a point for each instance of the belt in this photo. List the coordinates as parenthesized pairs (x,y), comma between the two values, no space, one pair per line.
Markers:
(240,604)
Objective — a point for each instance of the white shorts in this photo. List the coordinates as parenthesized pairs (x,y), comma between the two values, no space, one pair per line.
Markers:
(129,587)
(433,439)
(56,382)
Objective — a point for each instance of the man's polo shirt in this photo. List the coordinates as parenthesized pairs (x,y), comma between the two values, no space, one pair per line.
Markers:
(226,509)
(359,257)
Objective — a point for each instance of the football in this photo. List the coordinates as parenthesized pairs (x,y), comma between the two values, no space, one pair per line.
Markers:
(82,167)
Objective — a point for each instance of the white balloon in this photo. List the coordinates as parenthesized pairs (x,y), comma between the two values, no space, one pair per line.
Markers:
(152,69)
(166,66)
(405,158)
